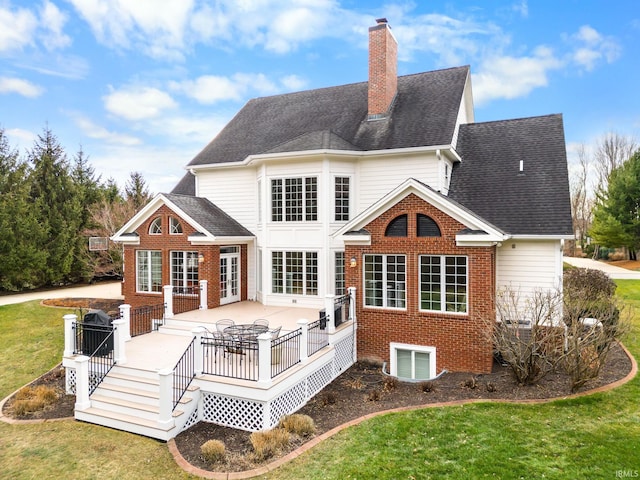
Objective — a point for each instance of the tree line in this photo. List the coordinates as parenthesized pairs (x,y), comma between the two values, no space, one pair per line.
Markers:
(605,197)
(50,205)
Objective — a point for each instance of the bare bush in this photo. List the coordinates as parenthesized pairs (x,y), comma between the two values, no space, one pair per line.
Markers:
(528,335)
(594,322)
(268,443)
(298,424)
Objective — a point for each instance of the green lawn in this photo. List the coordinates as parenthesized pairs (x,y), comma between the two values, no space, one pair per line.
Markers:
(592,437)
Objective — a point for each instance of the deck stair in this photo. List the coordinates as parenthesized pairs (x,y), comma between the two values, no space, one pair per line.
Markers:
(174,326)
(128,399)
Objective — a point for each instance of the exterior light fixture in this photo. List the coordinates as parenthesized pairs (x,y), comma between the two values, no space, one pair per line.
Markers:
(201,258)
(353,262)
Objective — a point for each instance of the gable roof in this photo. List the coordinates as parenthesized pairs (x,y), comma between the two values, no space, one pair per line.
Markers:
(354,232)
(424,113)
(210,222)
(488,181)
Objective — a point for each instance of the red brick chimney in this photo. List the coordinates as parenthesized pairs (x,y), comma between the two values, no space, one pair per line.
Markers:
(383,69)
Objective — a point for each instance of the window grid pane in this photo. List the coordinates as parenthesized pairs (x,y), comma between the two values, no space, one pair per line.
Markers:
(342,199)
(175,227)
(276,200)
(294,273)
(277,272)
(311,281)
(293,199)
(339,272)
(311,199)
(149,271)
(446,275)
(373,275)
(396,281)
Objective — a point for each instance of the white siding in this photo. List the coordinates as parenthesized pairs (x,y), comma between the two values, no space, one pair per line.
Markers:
(233,190)
(377,176)
(527,266)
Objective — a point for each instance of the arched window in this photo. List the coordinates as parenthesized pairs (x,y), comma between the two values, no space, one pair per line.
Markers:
(175,227)
(397,227)
(156,227)
(427,227)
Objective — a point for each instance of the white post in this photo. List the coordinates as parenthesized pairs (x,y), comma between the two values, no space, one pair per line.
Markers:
(82,383)
(352,303)
(69,342)
(125,314)
(168,300)
(203,294)
(329,312)
(303,324)
(198,351)
(119,337)
(166,396)
(264,358)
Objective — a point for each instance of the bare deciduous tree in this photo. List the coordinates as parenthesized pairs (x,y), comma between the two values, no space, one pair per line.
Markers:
(581,198)
(612,150)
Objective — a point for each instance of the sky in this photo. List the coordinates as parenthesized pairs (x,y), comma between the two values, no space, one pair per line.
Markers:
(144,85)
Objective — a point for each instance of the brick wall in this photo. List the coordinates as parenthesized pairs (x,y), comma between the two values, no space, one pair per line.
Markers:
(207,270)
(383,68)
(460,340)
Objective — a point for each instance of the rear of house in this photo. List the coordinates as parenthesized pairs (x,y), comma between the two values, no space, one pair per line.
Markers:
(388,186)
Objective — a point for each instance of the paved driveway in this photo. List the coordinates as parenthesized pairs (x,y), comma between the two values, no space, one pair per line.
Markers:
(100,290)
(611,270)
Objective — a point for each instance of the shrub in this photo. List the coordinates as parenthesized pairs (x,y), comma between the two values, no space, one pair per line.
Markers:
(355,383)
(298,424)
(491,387)
(33,399)
(374,396)
(328,398)
(390,384)
(268,443)
(213,451)
(471,383)
(427,387)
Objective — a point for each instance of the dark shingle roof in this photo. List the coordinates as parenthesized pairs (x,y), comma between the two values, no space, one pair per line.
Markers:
(214,220)
(186,185)
(488,181)
(424,113)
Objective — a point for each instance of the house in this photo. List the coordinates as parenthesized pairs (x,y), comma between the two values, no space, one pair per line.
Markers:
(388,186)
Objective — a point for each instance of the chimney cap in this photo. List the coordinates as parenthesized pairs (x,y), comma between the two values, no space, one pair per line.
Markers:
(381,20)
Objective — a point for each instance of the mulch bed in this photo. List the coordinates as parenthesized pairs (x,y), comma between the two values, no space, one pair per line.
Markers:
(361,390)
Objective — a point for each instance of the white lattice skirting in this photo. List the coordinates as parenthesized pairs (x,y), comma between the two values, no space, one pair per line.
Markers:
(254,415)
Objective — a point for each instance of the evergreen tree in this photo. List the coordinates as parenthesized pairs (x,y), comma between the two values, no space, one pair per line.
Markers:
(136,191)
(616,217)
(21,255)
(58,209)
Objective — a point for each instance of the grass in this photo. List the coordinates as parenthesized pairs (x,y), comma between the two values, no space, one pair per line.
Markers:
(590,437)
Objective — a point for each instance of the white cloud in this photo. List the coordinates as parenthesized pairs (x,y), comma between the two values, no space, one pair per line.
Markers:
(92,130)
(209,89)
(170,31)
(293,83)
(521,8)
(591,47)
(138,102)
(17,29)
(22,138)
(19,86)
(52,21)
(509,77)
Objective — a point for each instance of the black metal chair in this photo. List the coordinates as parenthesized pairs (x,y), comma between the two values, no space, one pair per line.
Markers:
(224,323)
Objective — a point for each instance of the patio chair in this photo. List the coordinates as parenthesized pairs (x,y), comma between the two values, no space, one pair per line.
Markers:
(216,339)
(261,321)
(275,332)
(224,323)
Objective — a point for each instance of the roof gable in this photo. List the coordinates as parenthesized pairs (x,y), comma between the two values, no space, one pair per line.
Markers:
(424,113)
(206,218)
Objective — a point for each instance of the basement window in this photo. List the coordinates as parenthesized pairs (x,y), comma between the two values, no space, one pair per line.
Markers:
(413,362)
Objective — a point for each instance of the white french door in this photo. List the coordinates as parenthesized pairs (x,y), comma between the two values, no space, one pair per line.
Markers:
(229,275)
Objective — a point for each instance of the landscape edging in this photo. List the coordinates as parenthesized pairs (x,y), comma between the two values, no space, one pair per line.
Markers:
(193,470)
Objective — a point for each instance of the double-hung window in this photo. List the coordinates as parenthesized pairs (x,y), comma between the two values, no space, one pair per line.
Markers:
(340,285)
(385,280)
(341,199)
(294,273)
(294,199)
(184,269)
(443,283)
(148,271)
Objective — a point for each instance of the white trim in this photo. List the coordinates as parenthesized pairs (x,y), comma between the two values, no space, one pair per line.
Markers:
(412,186)
(447,149)
(393,347)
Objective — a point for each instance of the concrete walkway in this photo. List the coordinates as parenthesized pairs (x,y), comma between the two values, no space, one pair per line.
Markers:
(100,290)
(611,270)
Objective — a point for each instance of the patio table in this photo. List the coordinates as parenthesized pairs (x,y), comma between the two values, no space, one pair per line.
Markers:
(246,331)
